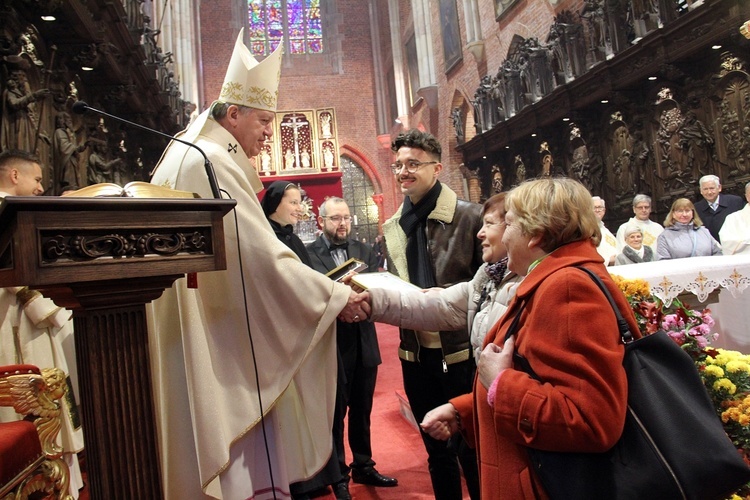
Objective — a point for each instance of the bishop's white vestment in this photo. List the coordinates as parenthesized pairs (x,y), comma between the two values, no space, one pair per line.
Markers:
(203,369)
(735,233)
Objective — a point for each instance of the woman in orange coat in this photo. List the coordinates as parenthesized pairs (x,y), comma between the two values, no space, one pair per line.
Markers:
(568,334)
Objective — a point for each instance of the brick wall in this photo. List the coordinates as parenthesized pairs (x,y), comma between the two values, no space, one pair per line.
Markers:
(352,92)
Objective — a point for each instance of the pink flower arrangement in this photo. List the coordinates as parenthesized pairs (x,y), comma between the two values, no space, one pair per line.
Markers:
(689,328)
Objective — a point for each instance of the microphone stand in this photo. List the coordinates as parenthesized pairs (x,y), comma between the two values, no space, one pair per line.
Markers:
(81,107)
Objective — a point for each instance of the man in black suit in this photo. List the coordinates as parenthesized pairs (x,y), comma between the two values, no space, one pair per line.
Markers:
(713,208)
(358,349)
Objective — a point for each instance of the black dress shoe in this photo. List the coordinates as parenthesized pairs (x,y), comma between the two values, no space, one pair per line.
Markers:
(341,490)
(372,477)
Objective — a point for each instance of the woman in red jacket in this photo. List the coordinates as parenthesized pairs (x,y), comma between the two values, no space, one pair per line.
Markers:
(569,336)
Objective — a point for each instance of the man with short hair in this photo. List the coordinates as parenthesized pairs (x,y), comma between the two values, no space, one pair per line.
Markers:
(608,245)
(735,232)
(651,230)
(358,350)
(714,208)
(431,241)
(20,174)
(244,365)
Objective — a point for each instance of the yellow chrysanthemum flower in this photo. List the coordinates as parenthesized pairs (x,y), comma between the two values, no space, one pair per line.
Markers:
(714,371)
(726,384)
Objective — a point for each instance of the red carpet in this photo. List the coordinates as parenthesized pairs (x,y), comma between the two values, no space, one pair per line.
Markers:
(397,447)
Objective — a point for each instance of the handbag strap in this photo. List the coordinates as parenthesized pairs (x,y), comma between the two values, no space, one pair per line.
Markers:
(521,361)
(622,325)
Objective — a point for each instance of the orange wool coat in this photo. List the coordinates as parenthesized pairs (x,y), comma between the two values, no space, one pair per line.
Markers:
(569,335)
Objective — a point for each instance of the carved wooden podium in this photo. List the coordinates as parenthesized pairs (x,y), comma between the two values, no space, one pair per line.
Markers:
(105,258)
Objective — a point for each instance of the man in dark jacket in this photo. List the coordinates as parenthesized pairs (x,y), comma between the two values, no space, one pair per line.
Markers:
(431,241)
(714,208)
(359,354)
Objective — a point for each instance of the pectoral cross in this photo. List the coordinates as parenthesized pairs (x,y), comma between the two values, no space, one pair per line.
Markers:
(295,126)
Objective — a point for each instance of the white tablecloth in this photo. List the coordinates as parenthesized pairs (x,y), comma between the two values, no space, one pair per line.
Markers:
(700,276)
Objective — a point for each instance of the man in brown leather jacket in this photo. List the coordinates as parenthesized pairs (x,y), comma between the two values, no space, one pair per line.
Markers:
(431,241)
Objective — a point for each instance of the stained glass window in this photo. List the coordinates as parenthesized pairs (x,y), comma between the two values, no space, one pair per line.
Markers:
(358,191)
(298,20)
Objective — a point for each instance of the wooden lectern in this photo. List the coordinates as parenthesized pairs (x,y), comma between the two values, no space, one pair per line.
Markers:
(105,258)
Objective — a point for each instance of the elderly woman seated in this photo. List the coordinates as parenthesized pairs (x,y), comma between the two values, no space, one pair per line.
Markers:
(684,234)
(634,250)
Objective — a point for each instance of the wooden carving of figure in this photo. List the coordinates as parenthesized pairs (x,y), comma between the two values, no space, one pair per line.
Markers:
(696,143)
(670,120)
(458,124)
(19,120)
(65,154)
(520,169)
(100,169)
(485,103)
(593,14)
(305,158)
(645,16)
(547,160)
(497,180)
(616,21)
(514,100)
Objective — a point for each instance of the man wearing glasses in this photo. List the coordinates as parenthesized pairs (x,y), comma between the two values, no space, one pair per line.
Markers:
(431,241)
(359,354)
(651,230)
(608,245)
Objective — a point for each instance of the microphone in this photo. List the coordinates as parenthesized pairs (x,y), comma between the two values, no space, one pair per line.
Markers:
(80,107)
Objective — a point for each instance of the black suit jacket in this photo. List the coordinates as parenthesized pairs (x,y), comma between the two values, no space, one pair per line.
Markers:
(728,203)
(348,335)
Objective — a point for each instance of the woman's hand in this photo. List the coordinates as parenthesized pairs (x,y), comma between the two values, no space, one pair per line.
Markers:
(493,360)
(440,423)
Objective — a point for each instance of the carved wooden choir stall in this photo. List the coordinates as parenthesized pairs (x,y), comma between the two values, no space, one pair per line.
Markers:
(628,97)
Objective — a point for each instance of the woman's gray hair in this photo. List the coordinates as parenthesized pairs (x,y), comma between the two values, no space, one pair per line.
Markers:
(631,228)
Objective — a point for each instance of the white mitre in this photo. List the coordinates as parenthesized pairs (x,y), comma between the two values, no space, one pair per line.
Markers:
(251,83)
(247,83)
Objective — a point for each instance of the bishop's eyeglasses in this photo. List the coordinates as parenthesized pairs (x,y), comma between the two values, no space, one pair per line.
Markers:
(411,166)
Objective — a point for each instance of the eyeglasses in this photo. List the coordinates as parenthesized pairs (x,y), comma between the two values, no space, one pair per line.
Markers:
(336,219)
(411,166)
(599,209)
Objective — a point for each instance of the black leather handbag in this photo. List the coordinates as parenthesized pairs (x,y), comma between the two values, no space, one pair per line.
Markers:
(673,445)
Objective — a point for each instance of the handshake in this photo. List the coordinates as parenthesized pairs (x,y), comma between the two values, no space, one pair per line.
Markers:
(357,308)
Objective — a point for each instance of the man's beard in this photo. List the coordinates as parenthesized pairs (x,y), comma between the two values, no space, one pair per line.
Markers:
(334,238)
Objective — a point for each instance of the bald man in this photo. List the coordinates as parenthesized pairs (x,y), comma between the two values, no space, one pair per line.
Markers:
(20,174)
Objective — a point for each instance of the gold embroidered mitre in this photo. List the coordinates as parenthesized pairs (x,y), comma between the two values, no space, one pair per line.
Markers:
(249,82)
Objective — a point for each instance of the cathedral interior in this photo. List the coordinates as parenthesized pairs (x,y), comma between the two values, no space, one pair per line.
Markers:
(626,96)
